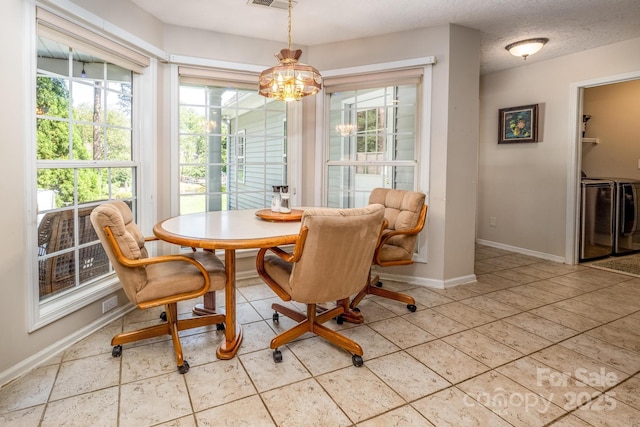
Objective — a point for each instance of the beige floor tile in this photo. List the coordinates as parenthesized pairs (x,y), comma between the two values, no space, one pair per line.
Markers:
(511,401)
(145,361)
(320,356)
(29,417)
(245,412)
(542,327)
(514,337)
(435,323)
(516,300)
(564,391)
(447,361)
(576,280)
(98,408)
(609,412)
(565,318)
(629,392)
(401,332)
(583,368)
(535,293)
(167,392)
(97,343)
(534,271)
(86,375)
(188,421)
(258,335)
(267,374)
(597,299)
(373,344)
(516,276)
(600,314)
(256,292)
(453,408)
(617,336)
(427,298)
(482,348)
(464,314)
(218,383)
(304,403)
(404,416)
(246,312)
(457,293)
(376,308)
(609,354)
(569,421)
(407,376)
(555,288)
(491,282)
(30,390)
(359,393)
(490,306)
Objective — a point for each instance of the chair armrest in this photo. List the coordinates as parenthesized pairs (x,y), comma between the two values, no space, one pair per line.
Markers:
(387,234)
(155,260)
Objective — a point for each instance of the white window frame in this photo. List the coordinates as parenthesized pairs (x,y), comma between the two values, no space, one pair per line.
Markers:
(144,117)
(212,68)
(241,146)
(423,131)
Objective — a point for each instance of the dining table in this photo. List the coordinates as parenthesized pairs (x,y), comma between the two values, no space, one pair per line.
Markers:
(229,230)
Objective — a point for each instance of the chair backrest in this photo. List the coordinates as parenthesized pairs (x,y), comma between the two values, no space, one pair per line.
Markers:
(402,212)
(337,253)
(117,216)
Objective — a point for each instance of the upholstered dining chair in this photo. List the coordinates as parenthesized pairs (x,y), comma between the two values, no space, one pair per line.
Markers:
(405,212)
(329,262)
(155,281)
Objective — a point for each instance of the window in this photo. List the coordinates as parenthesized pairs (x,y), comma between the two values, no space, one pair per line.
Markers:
(372,142)
(84,155)
(232,145)
(240,147)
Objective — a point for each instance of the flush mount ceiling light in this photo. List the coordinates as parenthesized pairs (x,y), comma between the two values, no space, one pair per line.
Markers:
(290,80)
(527,47)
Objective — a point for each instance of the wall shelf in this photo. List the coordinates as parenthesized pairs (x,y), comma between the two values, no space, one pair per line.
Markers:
(591,140)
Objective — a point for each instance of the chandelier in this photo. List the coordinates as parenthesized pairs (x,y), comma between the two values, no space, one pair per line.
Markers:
(290,80)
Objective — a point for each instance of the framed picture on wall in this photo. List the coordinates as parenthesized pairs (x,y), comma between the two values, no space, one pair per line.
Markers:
(518,124)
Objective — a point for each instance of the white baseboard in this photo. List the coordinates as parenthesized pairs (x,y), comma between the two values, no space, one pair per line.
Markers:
(523,251)
(429,283)
(45,355)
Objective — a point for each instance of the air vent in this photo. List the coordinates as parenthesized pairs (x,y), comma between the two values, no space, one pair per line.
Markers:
(276,4)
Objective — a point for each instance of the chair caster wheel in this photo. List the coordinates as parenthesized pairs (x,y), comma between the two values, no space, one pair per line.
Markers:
(412,307)
(357,360)
(379,284)
(276,317)
(277,356)
(340,319)
(219,326)
(117,351)
(184,368)
(163,316)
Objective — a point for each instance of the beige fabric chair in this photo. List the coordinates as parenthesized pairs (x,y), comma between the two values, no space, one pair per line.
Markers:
(330,261)
(154,281)
(405,213)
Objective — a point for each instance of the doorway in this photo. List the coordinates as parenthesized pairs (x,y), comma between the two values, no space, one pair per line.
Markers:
(604,146)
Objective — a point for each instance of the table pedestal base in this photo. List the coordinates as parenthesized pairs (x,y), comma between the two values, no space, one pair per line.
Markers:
(209,306)
(228,349)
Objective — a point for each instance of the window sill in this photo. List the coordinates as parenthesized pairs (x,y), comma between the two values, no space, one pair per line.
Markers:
(63,305)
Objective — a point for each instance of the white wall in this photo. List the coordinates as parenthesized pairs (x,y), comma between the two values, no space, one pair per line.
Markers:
(524,186)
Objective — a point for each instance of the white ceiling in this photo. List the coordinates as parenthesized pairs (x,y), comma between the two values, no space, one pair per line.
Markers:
(571,25)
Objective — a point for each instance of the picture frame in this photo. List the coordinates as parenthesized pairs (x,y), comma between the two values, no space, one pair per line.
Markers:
(518,124)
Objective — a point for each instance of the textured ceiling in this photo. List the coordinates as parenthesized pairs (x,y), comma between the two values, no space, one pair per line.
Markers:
(571,25)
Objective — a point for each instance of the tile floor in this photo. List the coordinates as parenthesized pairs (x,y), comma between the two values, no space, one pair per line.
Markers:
(531,343)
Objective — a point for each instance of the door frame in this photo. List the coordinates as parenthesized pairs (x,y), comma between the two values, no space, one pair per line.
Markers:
(574,168)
